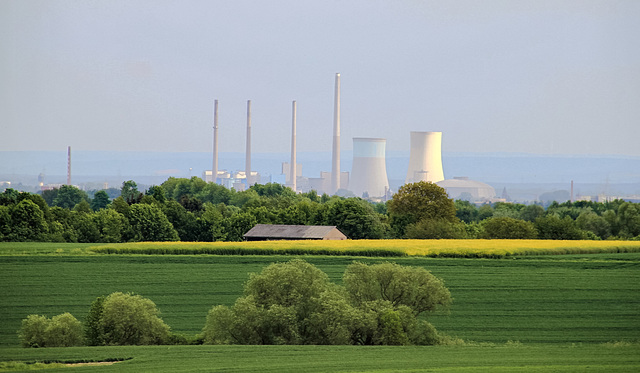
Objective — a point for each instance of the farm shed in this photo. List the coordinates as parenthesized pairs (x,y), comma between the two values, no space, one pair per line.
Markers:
(265,232)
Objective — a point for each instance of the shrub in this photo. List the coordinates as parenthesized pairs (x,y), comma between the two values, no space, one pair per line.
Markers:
(438,229)
(294,303)
(508,228)
(126,319)
(64,331)
(60,331)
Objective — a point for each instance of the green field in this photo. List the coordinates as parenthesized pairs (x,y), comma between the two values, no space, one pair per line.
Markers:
(529,313)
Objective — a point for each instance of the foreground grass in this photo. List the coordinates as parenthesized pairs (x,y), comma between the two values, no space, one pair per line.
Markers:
(369,248)
(487,358)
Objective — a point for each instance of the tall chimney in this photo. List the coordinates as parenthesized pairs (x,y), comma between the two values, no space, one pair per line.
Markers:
(292,169)
(69,165)
(214,170)
(335,169)
(572,200)
(248,154)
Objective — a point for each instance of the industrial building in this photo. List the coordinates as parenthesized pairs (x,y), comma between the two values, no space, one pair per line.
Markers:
(469,190)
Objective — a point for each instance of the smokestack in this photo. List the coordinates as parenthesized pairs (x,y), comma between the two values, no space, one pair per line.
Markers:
(572,191)
(292,169)
(425,158)
(69,165)
(248,154)
(214,170)
(335,169)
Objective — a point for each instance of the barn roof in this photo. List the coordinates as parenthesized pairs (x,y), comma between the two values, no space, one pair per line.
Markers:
(290,231)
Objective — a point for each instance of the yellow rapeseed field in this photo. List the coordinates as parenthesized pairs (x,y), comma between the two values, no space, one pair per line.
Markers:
(433,248)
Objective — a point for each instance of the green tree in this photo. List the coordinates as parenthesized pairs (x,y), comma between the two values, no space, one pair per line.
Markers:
(83,207)
(60,331)
(50,195)
(9,197)
(211,224)
(295,303)
(64,331)
(184,222)
(129,192)
(158,193)
(592,222)
(215,194)
(507,210)
(239,224)
(127,319)
(85,228)
(93,328)
(149,223)
(111,225)
(414,287)
(551,227)
(435,229)
(355,218)
(485,212)
(5,223)
(100,200)
(28,222)
(508,228)
(465,211)
(69,196)
(32,333)
(629,216)
(417,201)
(531,212)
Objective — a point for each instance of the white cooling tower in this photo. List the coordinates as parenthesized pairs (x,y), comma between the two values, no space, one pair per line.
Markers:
(425,158)
(369,170)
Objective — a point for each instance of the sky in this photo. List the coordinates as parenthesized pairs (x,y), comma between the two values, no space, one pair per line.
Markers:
(540,77)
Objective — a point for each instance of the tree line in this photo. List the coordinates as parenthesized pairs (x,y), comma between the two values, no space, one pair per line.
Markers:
(193,210)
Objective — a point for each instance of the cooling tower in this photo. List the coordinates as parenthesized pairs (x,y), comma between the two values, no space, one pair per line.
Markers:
(369,171)
(425,158)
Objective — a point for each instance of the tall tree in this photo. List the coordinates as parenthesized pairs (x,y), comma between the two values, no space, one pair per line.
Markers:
(28,222)
(69,196)
(416,201)
(149,223)
(129,192)
(100,200)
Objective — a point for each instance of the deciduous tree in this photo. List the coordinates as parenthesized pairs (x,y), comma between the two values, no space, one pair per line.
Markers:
(416,201)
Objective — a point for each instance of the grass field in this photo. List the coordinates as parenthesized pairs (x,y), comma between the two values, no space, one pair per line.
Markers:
(504,358)
(560,311)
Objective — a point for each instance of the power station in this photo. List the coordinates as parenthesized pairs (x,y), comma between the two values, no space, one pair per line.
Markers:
(368,177)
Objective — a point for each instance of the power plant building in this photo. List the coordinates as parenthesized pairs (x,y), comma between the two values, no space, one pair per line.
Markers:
(369,170)
(425,157)
(469,190)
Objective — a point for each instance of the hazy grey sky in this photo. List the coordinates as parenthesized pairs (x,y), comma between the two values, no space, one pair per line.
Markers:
(497,76)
